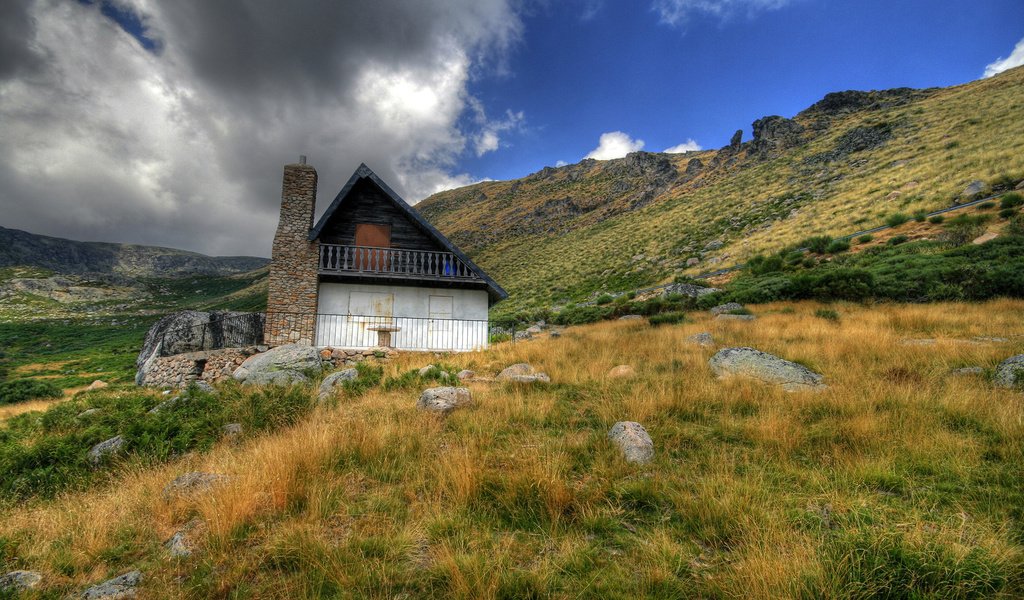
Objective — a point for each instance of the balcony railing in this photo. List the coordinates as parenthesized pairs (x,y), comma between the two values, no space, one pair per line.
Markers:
(421,264)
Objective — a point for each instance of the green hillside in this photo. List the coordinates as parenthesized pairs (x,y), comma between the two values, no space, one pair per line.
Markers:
(842,165)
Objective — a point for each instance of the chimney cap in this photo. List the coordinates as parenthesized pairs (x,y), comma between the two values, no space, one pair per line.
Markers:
(302,159)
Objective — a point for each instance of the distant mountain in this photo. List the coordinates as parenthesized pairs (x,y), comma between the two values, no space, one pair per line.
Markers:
(20,248)
(844,164)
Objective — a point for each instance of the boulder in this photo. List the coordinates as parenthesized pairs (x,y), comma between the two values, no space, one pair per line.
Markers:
(444,399)
(191,483)
(765,367)
(701,339)
(97,385)
(1010,372)
(88,413)
(774,133)
(180,545)
(728,307)
(633,440)
(975,188)
(192,331)
(232,430)
(728,316)
(99,452)
(693,167)
(523,373)
(204,387)
(968,371)
(465,374)
(282,365)
(693,261)
(118,588)
(688,289)
(19,581)
(714,245)
(535,329)
(426,370)
(165,405)
(622,372)
(335,380)
(631,318)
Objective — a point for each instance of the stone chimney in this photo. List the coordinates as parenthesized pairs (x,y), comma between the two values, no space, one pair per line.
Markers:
(293,287)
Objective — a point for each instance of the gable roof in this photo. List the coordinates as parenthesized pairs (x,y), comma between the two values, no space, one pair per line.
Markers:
(494,290)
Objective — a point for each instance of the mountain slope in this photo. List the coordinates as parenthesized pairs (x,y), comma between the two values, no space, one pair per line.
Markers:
(843,164)
(23,249)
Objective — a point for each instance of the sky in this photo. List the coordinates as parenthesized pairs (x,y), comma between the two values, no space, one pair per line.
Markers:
(168,123)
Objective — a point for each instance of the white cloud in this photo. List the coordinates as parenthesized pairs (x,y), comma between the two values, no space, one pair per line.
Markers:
(615,144)
(689,145)
(103,140)
(561,163)
(678,12)
(1015,59)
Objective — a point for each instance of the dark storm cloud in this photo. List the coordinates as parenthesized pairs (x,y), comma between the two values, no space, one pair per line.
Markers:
(184,147)
(17,57)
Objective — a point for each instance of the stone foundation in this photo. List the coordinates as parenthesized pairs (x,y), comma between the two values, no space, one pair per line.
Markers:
(212,366)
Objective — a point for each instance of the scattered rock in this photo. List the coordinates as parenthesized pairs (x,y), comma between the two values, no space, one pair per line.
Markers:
(465,374)
(633,440)
(191,483)
(726,308)
(728,317)
(165,405)
(88,412)
(555,333)
(19,581)
(282,365)
(521,336)
(444,399)
(631,318)
(692,261)
(1010,372)
(973,189)
(99,452)
(688,289)
(774,133)
(701,339)
(97,385)
(968,371)
(232,430)
(534,329)
(714,245)
(523,373)
(622,371)
(737,139)
(426,370)
(204,387)
(985,237)
(180,545)
(335,380)
(118,588)
(694,167)
(765,367)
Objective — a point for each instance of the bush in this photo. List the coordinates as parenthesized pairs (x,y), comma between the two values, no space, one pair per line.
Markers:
(1006,213)
(604,299)
(867,237)
(920,216)
(817,244)
(936,220)
(827,313)
(897,240)
(760,264)
(580,315)
(986,205)
(1016,226)
(1011,200)
(668,318)
(896,219)
(837,246)
(963,229)
(21,390)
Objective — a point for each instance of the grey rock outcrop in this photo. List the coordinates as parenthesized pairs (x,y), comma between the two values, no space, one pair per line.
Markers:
(336,380)
(765,367)
(88,413)
(688,289)
(693,167)
(774,134)
(190,483)
(973,189)
(523,373)
(104,449)
(465,374)
(1010,372)
(631,318)
(181,544)
(966,371)
(19,581)
(737,139)
(232,430)
(444,399)
(118,588)
(282,365)
(728,307)
(633,440)
(191,331)
(701,339)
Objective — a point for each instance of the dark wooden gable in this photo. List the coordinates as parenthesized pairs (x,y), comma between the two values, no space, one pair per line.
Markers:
(367,203)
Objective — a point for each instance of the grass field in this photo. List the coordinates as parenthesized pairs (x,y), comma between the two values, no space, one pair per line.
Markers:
(900,480)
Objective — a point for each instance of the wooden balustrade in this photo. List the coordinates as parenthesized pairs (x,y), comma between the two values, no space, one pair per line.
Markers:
(343,259)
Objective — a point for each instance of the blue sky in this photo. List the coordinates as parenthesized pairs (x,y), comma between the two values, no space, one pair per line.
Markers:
(167,123)
(575,78)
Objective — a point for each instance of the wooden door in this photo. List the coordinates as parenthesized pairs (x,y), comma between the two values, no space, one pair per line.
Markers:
(370,236)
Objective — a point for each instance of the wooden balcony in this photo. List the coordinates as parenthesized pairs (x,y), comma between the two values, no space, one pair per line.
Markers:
(395,263)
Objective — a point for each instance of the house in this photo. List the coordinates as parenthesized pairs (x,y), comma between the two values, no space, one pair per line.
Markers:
(371,272)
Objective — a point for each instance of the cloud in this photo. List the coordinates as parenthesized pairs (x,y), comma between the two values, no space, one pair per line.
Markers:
(561,163)
(679,12)
(183,145)
(1015,59)
(689,145)
(615,144)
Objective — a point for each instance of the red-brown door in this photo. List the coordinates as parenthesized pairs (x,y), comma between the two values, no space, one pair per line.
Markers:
(370,236)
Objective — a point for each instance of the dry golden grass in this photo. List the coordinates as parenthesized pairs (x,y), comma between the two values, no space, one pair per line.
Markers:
(753,493)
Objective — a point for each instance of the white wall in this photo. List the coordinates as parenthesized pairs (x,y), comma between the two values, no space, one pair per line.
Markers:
(352,316)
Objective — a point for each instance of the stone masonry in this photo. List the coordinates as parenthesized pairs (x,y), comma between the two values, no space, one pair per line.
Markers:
(293,284)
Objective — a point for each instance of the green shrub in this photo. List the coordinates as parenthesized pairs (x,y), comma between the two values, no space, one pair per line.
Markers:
(668,318)
(1016,226)
(936,219)
(1011,200)
(827,313)
(896,240)
(837,246)
(964,228)
(920,216)
(760,264)
(1006,213)
(21,390)
(579,315)
(369,376)
(867,237)
(896,219)
(986,205)
(604,299)
(817,244)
